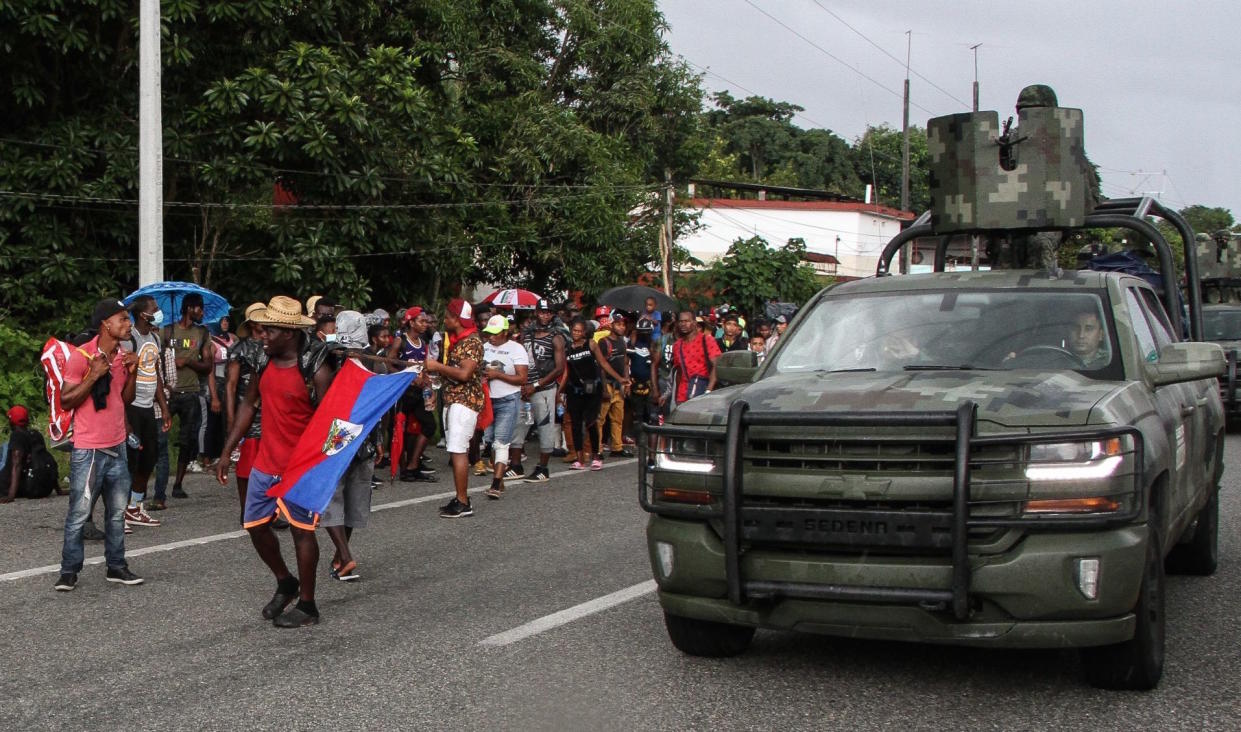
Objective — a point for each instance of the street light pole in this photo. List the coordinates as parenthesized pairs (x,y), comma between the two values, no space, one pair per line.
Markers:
(150,148)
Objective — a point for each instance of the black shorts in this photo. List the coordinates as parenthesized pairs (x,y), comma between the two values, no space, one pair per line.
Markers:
(186,407)
(142,423)
(414,406)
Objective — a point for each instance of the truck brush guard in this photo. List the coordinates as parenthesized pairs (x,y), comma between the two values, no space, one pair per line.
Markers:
(945,532)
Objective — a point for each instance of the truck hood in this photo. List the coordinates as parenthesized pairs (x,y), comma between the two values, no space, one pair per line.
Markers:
(1006,398)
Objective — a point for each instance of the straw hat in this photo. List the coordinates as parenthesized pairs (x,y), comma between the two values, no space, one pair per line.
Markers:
(282,312)
(251,309)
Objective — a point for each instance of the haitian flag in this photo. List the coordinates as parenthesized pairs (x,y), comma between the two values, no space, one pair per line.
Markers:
(355,402)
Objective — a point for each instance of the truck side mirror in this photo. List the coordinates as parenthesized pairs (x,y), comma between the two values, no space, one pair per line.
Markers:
(1181,362)
(736,367)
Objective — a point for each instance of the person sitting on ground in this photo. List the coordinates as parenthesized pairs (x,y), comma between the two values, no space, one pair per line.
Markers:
(28,470)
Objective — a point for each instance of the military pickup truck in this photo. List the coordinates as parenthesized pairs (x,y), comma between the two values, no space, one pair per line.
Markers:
(1222,324)
(1008,459)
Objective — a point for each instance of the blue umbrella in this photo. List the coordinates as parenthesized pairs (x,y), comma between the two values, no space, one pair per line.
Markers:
(168,296)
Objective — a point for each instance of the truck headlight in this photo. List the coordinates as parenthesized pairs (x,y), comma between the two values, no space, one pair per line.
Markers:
(1092,460)
(684,455)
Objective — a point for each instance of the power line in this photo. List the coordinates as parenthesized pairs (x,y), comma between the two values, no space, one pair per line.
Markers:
(884,51)
(833,57)
(320,173)
(294,207)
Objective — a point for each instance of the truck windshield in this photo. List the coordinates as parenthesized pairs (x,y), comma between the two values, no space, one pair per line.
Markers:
(954,329)
(1222,325)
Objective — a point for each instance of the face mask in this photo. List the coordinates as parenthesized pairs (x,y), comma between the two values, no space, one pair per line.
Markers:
(157,318)
(329,338)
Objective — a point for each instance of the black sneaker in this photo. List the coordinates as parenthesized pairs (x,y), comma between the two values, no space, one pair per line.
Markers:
(295,617)
(425,465)
(538,475)
(622,453)
(91,532)
(456,509)
(417,476)
(179,492)
(278,603)
(514,472)
(123,576)
(66,583)
(559,452)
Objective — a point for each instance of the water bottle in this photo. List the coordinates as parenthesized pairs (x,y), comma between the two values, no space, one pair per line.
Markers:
(132,440)
(527,413)
(559,412)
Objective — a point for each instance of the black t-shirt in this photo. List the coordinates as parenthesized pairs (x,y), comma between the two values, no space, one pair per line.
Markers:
(580,361)
(614,352)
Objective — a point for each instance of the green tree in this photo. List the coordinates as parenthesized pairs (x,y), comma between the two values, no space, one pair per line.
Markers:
(878,155)
(1207,219)
(752,272)
(428,144)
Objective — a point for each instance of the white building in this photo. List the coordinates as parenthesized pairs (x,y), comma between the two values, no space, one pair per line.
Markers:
(851,231)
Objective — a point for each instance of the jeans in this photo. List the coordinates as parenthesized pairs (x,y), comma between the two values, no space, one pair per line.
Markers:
(92,472)
(500,431)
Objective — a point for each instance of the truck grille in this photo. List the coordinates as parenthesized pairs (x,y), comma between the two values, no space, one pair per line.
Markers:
(922,456)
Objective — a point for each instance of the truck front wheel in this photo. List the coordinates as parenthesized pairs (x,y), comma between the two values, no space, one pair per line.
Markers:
(707,638)
(1137,663)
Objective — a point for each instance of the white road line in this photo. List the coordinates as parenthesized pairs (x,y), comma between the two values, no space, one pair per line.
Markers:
(568,615)
(199,541)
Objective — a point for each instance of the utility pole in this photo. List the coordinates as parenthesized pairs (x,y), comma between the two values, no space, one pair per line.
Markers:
(974,48)
(665,235)
(974,243)
(904,260)
(150,148)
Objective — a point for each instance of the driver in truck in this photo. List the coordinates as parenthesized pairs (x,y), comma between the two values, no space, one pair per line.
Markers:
(1085,339)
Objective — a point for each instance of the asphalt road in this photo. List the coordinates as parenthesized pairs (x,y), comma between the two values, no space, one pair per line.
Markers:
(423,641)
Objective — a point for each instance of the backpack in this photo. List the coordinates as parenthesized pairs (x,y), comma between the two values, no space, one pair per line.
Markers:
(42,474)
(55,358)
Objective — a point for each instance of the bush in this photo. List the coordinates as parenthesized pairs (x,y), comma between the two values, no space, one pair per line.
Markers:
(21,376)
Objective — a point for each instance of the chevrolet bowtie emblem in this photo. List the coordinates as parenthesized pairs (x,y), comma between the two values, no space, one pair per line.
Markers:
(854,486)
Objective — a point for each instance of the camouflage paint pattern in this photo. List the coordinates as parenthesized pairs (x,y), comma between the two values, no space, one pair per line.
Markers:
(1219,266)
(1050,183)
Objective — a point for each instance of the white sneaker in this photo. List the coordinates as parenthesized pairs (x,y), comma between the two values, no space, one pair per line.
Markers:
(194,467)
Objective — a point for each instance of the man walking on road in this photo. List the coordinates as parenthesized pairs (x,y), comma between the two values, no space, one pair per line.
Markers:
(99,382)
(463,398)
(296,376)
(545,348)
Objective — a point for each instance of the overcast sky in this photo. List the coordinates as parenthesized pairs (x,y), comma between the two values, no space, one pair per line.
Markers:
(1160,82)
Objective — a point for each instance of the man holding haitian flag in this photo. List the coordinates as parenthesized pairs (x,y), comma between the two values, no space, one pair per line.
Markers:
(297,372)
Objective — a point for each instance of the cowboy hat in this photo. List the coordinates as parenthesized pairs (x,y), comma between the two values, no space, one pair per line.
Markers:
(282,312)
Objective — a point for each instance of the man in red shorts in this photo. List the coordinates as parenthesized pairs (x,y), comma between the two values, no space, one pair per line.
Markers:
(296,376)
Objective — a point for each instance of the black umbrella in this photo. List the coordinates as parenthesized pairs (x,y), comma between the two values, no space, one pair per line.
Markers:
(633,298)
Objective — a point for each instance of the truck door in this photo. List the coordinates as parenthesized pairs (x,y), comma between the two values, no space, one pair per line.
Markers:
(1184,403)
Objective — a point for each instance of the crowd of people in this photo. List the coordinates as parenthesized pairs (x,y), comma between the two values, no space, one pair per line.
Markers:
(576,382)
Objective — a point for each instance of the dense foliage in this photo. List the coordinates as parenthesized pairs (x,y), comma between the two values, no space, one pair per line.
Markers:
(427,144)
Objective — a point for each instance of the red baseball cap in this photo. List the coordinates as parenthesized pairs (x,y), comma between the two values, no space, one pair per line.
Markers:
(19,416)
(459,308)
(413,312)
(603,311)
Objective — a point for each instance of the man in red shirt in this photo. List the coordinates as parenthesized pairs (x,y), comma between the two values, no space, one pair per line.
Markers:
(288,402)
(693,356)
(99,382)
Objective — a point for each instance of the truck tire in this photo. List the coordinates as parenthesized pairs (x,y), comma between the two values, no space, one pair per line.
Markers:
(1200,555)
(1136,664)
(707,638)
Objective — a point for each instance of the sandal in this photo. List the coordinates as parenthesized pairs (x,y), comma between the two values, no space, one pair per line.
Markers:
(348,572)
